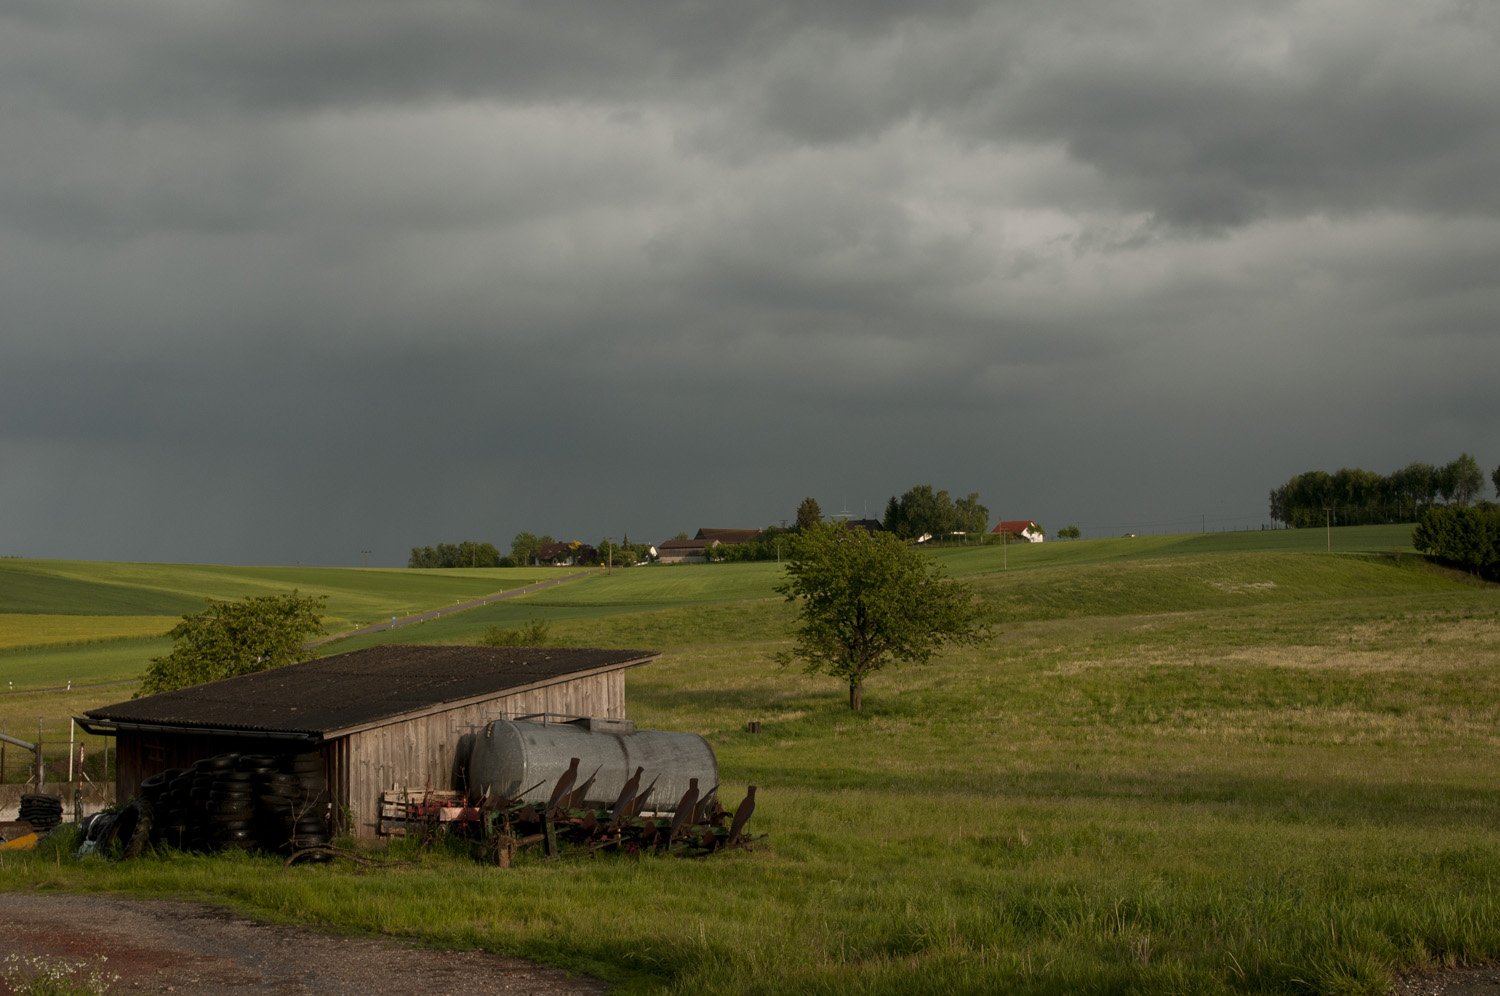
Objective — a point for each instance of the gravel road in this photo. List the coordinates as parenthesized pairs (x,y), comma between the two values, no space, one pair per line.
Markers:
(196,950)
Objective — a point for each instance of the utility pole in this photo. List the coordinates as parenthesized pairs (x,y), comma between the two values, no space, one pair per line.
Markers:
(1328,526)
(367,556)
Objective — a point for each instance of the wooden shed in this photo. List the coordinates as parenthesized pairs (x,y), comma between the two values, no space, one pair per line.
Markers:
(381,718)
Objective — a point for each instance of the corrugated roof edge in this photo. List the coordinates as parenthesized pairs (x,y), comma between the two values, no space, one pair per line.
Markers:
(110,719)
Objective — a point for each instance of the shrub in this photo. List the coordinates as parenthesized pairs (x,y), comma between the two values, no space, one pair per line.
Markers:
(1468,537)
(532,634)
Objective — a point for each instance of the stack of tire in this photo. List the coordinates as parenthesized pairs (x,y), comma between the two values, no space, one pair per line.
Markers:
(174,818)
(281,800)
(43,812)
(203,776)
(277,803)
(230,804)
(297,800)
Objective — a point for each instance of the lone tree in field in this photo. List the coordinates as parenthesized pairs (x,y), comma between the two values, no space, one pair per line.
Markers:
(868,600)
(230,638)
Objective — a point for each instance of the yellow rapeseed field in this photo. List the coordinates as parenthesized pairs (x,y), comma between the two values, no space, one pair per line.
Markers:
(27,630)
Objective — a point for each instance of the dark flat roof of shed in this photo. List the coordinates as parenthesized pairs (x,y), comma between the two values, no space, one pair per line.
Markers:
(362,688)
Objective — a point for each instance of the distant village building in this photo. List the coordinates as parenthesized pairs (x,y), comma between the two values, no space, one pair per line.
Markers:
(567,554)
(1022,529)
(683,551)
(727,536)
(695,550)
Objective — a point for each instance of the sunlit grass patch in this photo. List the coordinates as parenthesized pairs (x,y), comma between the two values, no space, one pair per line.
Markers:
(41,630)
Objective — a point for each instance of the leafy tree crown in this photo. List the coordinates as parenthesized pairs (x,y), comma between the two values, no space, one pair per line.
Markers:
(866,601)
(230,638)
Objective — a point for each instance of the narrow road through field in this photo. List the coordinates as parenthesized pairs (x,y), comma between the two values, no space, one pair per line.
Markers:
(450,609)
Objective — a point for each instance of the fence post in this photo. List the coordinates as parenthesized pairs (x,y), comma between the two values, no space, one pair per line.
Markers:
(41,767)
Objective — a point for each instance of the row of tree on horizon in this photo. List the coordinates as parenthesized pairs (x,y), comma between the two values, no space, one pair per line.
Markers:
(922,511)
(1351,496)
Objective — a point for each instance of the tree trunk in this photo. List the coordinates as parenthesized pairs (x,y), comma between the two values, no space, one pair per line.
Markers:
(856,694)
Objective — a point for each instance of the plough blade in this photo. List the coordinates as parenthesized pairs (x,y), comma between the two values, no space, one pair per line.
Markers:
(696,826)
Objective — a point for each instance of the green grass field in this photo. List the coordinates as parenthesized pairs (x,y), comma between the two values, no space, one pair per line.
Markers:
(1211,764)
(89,622)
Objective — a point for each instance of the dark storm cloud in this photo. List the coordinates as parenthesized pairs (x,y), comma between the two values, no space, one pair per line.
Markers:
(171,57)
(1207,116)
(1204,115)
(289,281)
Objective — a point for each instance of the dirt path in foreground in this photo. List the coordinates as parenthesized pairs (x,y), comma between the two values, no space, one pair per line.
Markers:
(1474,980)
(188,948)
(197,950)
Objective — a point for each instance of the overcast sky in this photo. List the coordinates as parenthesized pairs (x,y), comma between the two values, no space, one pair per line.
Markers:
(283,282)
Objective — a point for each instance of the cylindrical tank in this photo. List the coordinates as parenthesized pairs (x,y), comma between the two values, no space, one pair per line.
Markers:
(523,761)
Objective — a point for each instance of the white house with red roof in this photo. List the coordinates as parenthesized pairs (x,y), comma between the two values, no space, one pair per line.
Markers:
(1021,529)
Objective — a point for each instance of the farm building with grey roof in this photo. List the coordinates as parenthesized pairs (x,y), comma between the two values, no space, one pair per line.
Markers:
(381,718)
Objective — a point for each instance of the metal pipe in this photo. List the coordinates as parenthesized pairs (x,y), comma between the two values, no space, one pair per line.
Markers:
(35,748)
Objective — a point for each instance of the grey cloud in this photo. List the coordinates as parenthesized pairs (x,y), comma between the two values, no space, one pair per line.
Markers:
(1207,118)
(292,56)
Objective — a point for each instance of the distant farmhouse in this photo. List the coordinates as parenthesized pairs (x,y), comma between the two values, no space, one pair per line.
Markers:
(567,554)
(1021,530)
(695,550)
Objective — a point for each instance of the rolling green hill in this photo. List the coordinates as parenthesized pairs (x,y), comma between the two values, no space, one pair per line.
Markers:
(964,560)
(1217,765)
(676,605)
(110,605)
(98,588)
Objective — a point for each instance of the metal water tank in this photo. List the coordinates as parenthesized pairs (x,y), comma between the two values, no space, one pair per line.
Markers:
(523,761)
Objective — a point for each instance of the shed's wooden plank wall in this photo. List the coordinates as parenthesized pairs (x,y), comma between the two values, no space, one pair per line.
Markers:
(423,753)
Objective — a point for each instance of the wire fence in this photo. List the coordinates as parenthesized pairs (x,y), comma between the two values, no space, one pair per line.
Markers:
(56,757)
